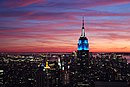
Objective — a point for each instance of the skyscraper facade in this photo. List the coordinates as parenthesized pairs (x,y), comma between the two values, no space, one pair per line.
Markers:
(83,45)
(79,70)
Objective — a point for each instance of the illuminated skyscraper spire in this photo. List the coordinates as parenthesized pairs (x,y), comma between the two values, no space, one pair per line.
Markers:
(83,30)
(83,44)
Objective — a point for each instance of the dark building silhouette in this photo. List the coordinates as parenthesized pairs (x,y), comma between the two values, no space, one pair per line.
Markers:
(40,77)
(79,69)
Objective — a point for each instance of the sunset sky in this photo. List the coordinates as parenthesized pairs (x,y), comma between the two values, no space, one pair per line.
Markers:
(55,25)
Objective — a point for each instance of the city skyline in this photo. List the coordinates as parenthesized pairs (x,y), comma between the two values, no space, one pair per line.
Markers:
(55,26)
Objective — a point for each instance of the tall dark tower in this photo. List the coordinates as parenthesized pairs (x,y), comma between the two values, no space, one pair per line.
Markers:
(83,45)
(80,67)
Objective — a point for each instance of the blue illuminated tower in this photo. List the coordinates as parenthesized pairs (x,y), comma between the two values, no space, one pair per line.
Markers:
(81,64)
(83,45)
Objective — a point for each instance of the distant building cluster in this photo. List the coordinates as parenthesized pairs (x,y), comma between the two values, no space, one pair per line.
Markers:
(101,68)
(63,70)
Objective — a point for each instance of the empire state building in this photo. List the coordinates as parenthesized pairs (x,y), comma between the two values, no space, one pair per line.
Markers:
(83,45)
(81,65)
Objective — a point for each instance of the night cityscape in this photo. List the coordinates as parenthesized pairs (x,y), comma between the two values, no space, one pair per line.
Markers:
(42,45)
(77,69)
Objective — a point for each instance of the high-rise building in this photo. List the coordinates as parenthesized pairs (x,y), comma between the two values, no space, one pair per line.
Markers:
(40,76)
(79,69)
(83,45)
